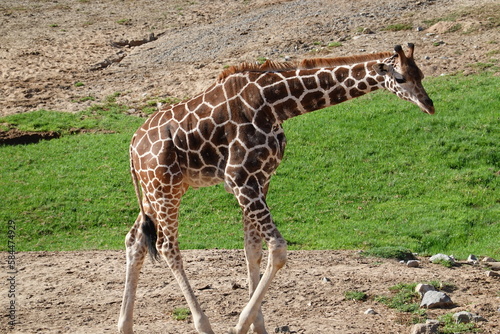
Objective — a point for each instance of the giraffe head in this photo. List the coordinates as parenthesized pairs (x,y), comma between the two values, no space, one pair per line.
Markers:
(404,78)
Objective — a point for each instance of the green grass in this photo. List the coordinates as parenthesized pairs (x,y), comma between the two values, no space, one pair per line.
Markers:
(390,252)
(334,44)
(399,27)
(372,172)
(444,263)
(448,325)
(355,295)
(404,298)
(181,313)
(109,116)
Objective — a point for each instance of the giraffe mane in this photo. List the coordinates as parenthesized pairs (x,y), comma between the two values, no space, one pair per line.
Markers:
(308,63)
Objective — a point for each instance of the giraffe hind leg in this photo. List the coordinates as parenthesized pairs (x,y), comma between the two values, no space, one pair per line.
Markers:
(165,214)
(171,253)
(136,252)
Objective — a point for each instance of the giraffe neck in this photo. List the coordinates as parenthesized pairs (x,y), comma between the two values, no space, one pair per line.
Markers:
(290,93)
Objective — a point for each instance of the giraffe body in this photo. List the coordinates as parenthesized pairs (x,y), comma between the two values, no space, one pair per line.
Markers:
(232,134)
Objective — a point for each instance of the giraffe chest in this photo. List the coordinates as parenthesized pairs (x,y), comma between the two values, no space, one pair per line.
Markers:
(206,155)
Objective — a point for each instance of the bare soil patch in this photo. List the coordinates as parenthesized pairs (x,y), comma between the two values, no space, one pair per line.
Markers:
(18,137)
(80,292)
(156,49)
(15,136)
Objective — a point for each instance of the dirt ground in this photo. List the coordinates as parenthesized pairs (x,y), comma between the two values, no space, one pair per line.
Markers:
(80,292)
(149,49)
(152,48)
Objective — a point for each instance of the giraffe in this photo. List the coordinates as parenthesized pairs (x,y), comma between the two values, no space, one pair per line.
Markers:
(232,133)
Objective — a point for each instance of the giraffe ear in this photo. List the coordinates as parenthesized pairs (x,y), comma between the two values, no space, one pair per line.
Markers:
(381,68)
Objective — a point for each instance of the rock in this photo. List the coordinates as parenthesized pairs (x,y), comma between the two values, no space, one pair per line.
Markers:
(463,317)
(494,265)
(478,318)
(492,274)
(419,29)
(435,299)
(370,311)
(488,259)
(419,329)
(412,264)
(367,31)
(236,286)
(135,42)
(282,329)
(472,259)
(441,257)
(423,288)
(432,322)
(326,280)
(430,327)
(118,57)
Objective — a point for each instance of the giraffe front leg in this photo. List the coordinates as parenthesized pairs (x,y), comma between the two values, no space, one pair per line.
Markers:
(276,260)
(253,254)
(136,251)
(256,213)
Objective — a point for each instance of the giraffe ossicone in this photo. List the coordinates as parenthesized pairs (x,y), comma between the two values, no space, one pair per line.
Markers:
(232,134)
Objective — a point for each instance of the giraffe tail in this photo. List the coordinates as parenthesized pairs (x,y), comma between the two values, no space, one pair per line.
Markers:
(147,224)
(149,230)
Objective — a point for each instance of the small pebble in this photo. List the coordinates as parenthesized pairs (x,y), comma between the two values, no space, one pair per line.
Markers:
(282,329)
(492,274)
(412,264)
(472,259)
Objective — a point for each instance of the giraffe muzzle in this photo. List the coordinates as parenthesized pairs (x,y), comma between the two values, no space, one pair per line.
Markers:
(428,106)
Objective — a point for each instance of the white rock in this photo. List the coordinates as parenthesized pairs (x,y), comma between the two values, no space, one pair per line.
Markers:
(435,299)
(370,311)
(423,288)
(472,259)
(488,259)
(441,257)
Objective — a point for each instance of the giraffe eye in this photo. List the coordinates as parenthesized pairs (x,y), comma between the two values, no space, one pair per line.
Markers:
(400,80)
